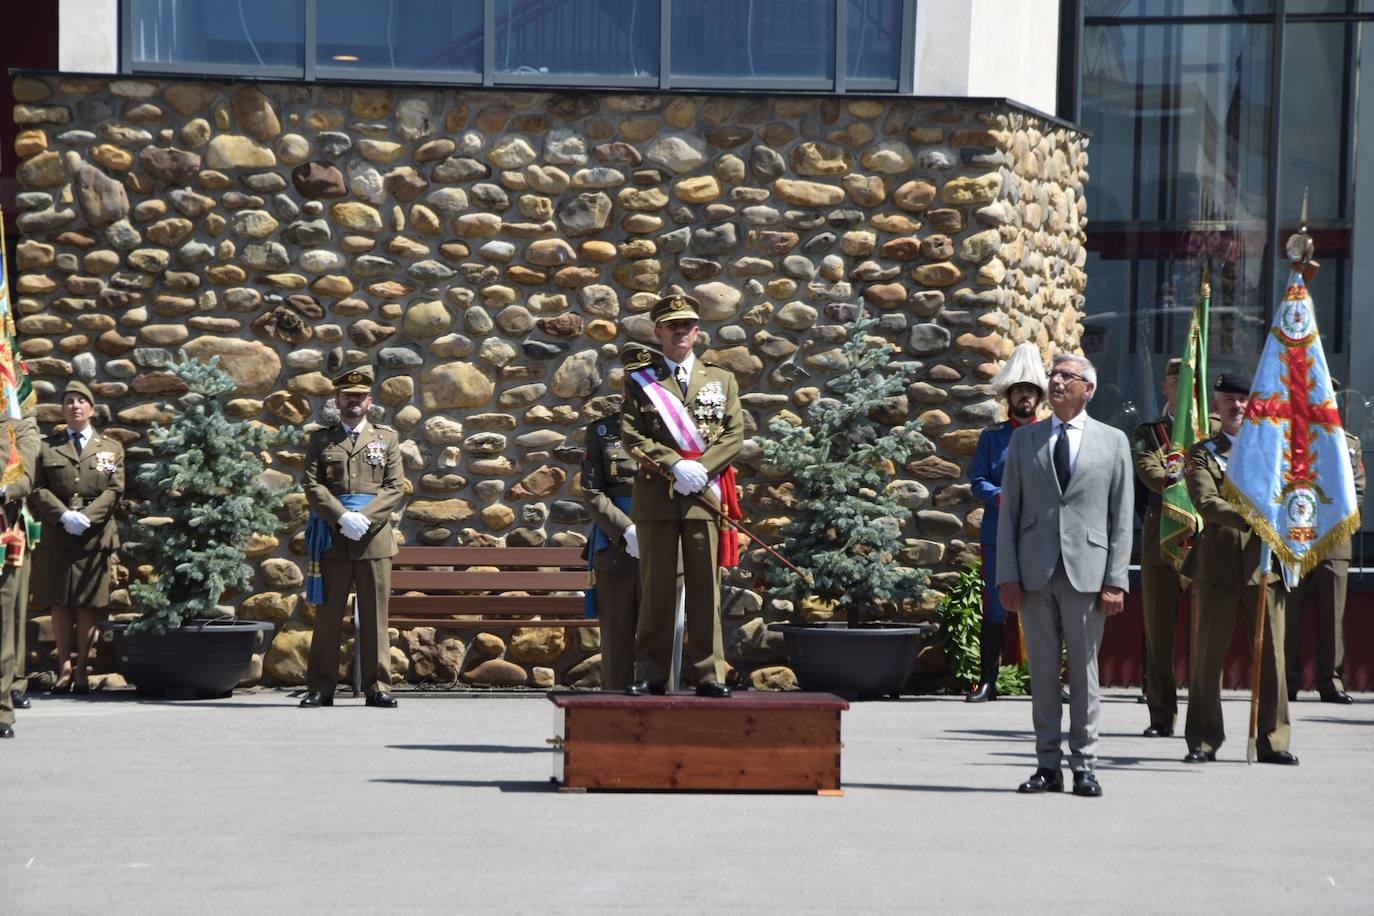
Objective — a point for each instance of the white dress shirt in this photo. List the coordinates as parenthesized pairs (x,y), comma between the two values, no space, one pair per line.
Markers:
(687,365)
(80,439)
(1074,429)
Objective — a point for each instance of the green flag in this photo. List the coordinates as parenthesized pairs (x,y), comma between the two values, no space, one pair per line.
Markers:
(1178,520)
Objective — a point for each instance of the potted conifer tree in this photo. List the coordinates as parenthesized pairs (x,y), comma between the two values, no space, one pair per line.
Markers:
(846,527)
(206,499)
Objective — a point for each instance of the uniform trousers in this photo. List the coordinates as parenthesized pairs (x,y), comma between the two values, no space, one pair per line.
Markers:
(1056,615)
(1326,583)
(1212,630)
(617,608)
(658,557)
(1160,591)
(372,581)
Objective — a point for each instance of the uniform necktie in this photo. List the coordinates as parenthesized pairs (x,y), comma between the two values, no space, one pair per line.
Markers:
(682,379)
(76,441)
(1061,457)
(353,437)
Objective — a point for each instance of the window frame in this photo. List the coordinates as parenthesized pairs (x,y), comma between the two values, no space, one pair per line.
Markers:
(312,71)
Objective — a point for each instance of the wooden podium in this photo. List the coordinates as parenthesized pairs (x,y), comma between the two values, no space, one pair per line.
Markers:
(759,742)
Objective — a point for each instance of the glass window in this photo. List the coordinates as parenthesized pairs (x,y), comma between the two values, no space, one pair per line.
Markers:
(753,39)
(413,35)
(1300,7)
(1180,120)
(1128,9)
(241,33)
(601,37)
(873,39)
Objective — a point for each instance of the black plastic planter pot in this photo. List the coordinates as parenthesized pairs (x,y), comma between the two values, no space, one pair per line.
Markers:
(856,663)
(197,661)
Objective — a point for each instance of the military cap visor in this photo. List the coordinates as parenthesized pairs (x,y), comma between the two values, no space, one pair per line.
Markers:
(75,387)
(354,381)
(1172,370)
(1233,383)
(675,308)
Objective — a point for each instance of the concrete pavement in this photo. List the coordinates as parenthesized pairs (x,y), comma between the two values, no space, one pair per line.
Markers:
(250,805)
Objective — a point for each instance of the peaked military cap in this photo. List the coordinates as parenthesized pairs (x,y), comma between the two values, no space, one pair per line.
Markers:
(1172,369)
(636,356)
(355,380)
(75,387)
(673,308)
(1233,383)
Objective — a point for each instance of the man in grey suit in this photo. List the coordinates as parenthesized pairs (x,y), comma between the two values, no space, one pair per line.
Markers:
(1063,548)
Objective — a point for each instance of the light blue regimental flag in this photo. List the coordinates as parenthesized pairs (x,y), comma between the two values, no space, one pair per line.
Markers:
(1289,470)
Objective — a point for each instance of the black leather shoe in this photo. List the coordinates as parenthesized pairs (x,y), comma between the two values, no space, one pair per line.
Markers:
(382,700)
(315,698)
(1339,697)
(1292,695)
(1043,781)
(714,690)
(1283,758)
(6,731)
(984,693)
(1200,756)
(20,700)
(1158,731)
(1086,784)
(637,689)
(1064,695)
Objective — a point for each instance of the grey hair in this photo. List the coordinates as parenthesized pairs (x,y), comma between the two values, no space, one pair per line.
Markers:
(1086,368)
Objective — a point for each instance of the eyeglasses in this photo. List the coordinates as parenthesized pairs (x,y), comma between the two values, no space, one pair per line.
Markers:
(1066,376)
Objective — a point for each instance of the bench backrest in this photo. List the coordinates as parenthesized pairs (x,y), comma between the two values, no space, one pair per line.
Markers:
(450,591)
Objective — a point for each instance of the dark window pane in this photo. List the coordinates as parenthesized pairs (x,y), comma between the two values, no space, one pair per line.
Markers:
(438,35)
(243,33)
(1125,9)
(578,37)
(756,39)
(1293,7)
(1317,102)
(873,39)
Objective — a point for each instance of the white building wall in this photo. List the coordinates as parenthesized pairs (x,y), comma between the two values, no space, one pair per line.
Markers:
(88,36)
(988,48)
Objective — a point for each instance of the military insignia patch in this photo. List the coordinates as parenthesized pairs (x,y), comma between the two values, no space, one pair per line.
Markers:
(708,409)
(375,453)
(105,463)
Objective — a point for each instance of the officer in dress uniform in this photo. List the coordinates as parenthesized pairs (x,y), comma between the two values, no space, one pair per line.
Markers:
(1224,564)
(608,474)
(353,481)
(14,581)
(77,486)
(664,402)
(1327,583)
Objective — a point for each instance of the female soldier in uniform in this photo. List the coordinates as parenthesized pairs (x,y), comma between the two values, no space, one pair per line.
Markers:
(78,485)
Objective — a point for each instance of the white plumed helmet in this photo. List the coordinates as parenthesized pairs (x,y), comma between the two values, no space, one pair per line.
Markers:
(1025,367)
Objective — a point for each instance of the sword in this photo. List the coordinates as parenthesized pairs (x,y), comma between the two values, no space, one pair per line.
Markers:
(650,464)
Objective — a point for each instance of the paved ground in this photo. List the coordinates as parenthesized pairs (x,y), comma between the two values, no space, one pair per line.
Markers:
(250,805)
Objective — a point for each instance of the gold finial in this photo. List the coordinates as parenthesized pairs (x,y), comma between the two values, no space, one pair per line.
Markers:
(1206,291)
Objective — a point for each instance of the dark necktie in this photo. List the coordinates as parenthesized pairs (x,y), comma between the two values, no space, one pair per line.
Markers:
(353,438)
(76,441)
(682,379)
(1061,458)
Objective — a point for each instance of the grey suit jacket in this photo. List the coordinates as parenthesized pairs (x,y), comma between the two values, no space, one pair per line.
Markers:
(1088,526)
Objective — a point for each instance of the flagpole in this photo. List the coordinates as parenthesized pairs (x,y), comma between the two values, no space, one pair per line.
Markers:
(1252,749)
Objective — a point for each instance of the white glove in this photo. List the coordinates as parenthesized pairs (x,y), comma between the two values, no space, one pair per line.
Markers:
(354,525)
(691,476)
(75,522)
(632,542)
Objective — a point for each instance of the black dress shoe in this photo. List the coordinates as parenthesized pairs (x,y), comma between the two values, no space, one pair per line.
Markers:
(1292,695)
(6,731)
(1200,756)
(637,689)
(1158,731)
(1086,784)
(19,700)
(984,693)
(1283,758)
(1339,697)
(1044,780)
(1064,695)
(714,690)
(381,699)
(315,698)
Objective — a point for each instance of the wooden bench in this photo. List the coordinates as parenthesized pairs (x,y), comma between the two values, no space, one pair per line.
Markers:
(452,596)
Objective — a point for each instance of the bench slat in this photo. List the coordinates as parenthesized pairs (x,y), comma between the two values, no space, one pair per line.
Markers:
(488,604)
(490,556)
(488,622)
(432,579)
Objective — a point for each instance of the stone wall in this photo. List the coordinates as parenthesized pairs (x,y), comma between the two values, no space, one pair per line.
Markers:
(490,253)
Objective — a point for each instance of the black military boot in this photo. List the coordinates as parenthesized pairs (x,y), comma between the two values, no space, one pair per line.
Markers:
(990,645)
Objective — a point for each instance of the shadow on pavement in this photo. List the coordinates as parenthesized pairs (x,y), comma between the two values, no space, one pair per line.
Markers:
(1333,720)
(907,787)
(473,748)
(505,785)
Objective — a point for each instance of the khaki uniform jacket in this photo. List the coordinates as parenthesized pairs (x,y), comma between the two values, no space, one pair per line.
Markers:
(643,429)
(91,483)
(1148,455)
(335,466)
(28,441)
(1226,551)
